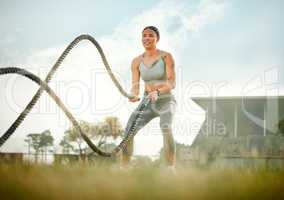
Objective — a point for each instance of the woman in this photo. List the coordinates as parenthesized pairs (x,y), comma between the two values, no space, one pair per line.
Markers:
(156,68)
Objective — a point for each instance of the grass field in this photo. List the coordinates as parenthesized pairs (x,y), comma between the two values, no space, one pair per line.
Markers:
(109,182)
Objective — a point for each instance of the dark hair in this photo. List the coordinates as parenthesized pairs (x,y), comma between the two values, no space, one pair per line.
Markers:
(153,28)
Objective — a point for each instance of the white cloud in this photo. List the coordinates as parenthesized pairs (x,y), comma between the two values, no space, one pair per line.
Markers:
(8,40)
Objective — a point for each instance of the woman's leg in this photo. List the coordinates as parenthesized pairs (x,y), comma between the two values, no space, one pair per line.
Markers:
(146,117)
(169,147)
(166,118)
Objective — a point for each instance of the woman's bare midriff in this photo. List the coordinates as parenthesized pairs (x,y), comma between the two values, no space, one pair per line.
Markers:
(154,86)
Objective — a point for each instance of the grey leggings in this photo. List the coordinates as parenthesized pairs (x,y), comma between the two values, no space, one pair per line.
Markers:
(164,107)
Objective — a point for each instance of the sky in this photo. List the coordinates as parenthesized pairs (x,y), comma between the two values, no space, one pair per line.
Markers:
(220,47)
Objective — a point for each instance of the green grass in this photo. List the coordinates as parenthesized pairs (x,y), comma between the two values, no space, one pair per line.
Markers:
(108,182)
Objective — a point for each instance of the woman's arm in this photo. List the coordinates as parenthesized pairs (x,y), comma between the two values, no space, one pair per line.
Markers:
(171,76)
(135,77)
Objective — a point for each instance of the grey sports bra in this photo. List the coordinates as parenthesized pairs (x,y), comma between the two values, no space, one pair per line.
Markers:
(155,73)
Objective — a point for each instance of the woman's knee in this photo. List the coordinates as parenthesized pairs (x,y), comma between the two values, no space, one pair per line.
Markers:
(130,121)
(166,122)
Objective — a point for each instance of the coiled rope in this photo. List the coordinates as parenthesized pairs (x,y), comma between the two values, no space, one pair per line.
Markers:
(44,87)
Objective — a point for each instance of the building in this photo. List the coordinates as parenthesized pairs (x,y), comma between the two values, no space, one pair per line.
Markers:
(244,128)
(241,116)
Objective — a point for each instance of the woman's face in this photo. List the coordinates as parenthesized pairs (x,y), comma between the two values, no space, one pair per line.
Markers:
(149,39)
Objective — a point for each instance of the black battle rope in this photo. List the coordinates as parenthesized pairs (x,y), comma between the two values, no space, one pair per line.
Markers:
(44,86)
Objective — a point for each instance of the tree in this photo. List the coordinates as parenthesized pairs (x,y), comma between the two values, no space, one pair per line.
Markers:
(39,142)
(33,140)
(98,132)
(66,146)
(114,127)
(109,128)
(46,141)
(72,135)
